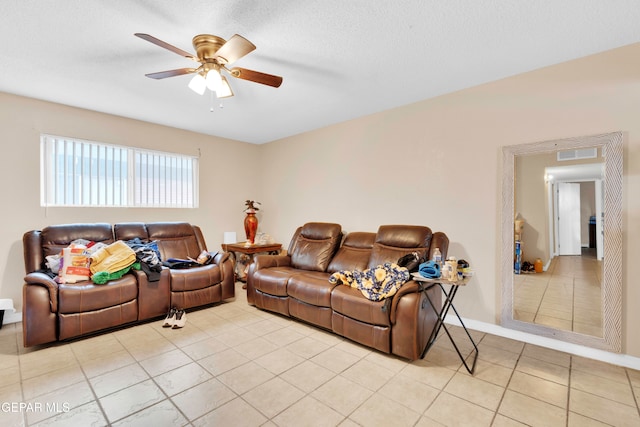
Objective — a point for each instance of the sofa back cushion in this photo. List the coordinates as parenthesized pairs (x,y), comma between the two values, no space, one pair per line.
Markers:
(394,241)
(52,239)
(130,230)
(314,245)
(440,241)
(176,239)
(354,253)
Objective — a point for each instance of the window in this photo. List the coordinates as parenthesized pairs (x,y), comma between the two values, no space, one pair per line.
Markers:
(85,173)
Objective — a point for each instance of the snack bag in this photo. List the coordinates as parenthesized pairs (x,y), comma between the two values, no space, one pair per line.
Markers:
(75,264)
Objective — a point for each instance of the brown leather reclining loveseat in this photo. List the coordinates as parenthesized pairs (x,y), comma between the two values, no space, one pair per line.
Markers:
(53,311)
(297,285)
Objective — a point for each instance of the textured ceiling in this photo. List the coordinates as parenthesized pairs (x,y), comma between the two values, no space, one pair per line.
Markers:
(340,59)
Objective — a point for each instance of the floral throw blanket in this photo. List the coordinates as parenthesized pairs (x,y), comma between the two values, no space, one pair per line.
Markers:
(375,283)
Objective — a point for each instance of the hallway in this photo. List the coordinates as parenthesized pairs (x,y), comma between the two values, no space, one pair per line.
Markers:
(567,296)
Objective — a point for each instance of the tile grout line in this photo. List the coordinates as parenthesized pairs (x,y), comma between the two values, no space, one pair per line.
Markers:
(348,417)
(599,396)
(506,387)
(546,287)
(24,414)
(633,391)
(93,392)
(237,395)
(170,399)
(305,394)
(137,362)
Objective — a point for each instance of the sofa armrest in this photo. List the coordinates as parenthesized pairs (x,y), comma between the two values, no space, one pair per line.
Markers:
(41,279)
(221,257)
(269,261)
(261,262)
(410,287)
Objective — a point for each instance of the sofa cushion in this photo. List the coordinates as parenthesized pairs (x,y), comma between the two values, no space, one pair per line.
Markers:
(75,324)
(374,336)
(191,279)
(312,288)
(86,296)
(350,302)
(273,281)
(394,241)
(354,253)
(315,245)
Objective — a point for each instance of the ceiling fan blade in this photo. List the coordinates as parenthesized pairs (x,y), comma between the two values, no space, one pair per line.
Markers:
(166,45)
(256,76)
(171,73)
(235,48)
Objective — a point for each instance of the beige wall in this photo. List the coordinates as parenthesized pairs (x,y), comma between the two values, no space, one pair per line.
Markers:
(23,119)
(531,204)
(438,163)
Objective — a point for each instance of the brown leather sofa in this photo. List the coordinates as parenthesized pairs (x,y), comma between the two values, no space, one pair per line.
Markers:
(53,311)
(297,285)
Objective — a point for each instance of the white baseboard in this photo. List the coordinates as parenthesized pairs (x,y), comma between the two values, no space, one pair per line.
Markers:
(578,350)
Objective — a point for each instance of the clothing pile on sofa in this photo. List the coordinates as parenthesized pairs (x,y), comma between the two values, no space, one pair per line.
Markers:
(148,255)
(84,260)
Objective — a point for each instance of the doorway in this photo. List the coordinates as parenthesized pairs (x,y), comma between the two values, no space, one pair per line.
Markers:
(576,215)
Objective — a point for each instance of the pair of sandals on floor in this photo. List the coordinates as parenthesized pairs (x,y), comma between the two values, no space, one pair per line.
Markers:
(175,319)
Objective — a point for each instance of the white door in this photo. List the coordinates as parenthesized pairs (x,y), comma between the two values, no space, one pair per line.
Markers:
(569,218)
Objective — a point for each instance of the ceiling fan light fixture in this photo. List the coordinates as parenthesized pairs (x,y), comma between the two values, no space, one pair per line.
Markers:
(214,79)
(224,91)
(198,84)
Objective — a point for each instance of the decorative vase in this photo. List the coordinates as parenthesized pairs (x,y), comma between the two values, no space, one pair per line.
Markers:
(251,225)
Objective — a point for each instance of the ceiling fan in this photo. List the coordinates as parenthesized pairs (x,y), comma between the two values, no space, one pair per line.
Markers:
(214,54)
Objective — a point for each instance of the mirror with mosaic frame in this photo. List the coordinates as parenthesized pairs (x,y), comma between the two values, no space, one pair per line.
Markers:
(609,148)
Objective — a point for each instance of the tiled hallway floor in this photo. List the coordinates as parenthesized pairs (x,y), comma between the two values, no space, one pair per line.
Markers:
(233,365)
(567,296)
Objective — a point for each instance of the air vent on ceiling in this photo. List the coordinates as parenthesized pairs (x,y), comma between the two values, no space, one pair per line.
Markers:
(583,153)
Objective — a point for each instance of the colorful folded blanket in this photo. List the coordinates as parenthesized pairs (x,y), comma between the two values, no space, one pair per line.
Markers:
(375,283)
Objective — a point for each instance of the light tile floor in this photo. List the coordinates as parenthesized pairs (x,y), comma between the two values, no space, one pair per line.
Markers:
(234,365)
(567,296)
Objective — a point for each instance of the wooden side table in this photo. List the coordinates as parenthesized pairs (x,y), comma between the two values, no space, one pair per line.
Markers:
(249,250)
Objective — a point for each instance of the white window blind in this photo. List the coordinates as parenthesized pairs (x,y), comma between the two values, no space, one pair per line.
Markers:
(84,173)
(163,179)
